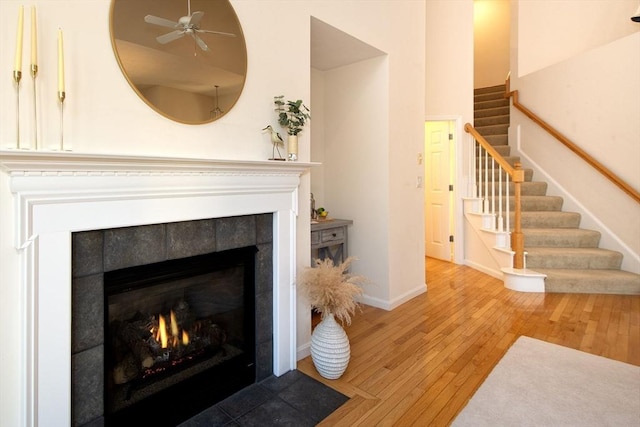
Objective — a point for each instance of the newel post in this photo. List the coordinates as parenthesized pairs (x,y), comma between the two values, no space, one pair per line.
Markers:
(517,238)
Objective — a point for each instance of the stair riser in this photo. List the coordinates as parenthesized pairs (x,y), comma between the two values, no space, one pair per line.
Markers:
(535,188)
(561,240)
(491,103)
(548,220)
(510,159)
(533,203)
(489,97)
(501,129)
(503,150)
(498,140)
(490,112)
(575,262)
(593,282)
(502,88)
(493,120)
(528,174)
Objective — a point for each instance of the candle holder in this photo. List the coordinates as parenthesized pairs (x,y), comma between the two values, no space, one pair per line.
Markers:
(34,73)
(61,96)
(17,76)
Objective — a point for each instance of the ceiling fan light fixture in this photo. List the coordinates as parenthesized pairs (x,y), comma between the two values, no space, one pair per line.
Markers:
(216,112)
(636,16)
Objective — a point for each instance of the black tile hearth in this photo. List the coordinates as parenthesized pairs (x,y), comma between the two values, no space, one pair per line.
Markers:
(294,399)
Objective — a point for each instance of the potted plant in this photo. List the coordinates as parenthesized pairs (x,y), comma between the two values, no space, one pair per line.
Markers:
(292,115)
(332,292)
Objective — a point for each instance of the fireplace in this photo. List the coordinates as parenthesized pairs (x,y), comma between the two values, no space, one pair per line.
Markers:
(57,196)
(179,334)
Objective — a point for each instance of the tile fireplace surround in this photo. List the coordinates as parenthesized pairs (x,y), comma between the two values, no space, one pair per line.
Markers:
(56,194)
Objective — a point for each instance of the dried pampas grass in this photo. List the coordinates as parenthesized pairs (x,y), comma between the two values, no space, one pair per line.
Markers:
(330,289)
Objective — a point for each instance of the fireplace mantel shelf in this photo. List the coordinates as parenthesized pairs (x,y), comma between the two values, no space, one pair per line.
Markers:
(16,162)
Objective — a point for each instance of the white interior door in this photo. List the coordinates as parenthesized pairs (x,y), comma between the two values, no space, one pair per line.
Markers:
(438,222)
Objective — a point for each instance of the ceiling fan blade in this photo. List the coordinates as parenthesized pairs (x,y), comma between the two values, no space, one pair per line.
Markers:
(220,33)
(169,37)
(195,18)
(156,20)
(200,42)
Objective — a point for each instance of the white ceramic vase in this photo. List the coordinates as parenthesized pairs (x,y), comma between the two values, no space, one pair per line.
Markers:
(330,349)
(292,147)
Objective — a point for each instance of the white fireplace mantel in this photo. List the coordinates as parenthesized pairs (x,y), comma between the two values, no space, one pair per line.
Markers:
(56,193)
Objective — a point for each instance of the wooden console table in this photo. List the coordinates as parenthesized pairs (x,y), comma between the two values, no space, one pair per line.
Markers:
(329,240)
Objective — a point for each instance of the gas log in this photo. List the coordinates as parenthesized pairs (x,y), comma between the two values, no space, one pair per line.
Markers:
(135,337)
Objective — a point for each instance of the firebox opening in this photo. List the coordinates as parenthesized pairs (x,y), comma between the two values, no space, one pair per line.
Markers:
(180,336)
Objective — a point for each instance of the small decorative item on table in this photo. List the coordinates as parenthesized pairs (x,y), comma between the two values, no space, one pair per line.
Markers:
(322,214)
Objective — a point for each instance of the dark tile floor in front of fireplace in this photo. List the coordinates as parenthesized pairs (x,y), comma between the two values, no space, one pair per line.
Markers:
(294,399)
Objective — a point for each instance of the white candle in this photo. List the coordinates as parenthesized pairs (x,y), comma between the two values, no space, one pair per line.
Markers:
(60,63)
(18,64)
(34,37)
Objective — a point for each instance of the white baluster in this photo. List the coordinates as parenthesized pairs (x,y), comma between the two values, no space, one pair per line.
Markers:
(486,182)
(500,207)
(508,217)
(493,193)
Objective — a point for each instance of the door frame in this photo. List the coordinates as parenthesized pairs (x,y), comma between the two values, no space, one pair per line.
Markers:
(459,185)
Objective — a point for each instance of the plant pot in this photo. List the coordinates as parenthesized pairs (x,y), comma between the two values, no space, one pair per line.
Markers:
(292,147)
(330,349)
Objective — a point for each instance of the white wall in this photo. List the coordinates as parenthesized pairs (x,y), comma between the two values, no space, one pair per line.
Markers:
(103,115)
(593,98)
(354,136)
(552,31)
(449,83)
(359,148)
(491,42)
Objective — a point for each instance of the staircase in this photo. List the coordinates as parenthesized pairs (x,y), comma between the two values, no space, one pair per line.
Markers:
(555,245)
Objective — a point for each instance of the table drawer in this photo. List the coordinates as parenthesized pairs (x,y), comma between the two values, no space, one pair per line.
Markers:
(332,234)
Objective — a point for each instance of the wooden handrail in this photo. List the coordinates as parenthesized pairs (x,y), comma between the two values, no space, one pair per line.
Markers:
(517,177)
(515,174)
(573,147)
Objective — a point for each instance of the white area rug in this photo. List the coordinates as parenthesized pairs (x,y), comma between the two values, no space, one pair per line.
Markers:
(541,384)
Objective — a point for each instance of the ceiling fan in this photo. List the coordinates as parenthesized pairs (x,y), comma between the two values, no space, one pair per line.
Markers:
(189,24)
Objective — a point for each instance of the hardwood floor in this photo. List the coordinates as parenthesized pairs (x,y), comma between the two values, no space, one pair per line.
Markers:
(420,363)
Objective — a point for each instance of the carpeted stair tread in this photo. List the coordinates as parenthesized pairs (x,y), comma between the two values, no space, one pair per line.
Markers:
(527,188)
(490,112)
(560,238)
(501,88)
(491,103)
(573,258)
(503,150)
(528,173)
(538,203)
(591,281)
(510,159)
(500,129)
(500,140)
(548,219)
(532,203)
(488,96)
(532,188)
(493,120)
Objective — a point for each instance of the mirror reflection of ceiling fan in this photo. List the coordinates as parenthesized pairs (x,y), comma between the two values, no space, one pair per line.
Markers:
(189,24)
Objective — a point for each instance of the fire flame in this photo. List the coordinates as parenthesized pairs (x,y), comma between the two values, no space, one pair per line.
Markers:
(176,338)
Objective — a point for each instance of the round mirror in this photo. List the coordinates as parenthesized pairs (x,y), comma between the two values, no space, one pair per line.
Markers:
(186,59)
